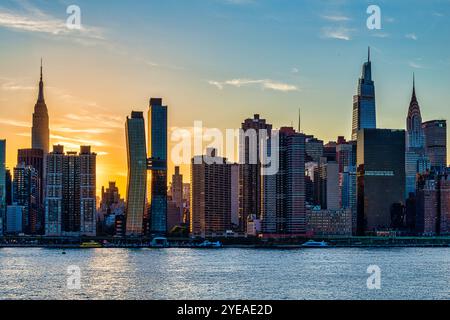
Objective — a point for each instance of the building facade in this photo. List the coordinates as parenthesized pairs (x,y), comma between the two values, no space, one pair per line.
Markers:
(436,144)
(210,195)
(323,222)
(250,178)
(70,204)
(283,193)
(157,150)
(137,174)
(26,193)
(2,185)
(380,178)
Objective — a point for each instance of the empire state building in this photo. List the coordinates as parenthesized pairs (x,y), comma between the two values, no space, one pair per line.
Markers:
(40,132)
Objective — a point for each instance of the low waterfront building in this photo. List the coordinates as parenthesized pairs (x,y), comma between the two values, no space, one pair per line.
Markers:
(323,222)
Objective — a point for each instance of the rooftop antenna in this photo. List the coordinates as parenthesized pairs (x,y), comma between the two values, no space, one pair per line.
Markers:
(299,120)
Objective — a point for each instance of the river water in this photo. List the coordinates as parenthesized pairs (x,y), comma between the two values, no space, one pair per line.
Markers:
(334,273)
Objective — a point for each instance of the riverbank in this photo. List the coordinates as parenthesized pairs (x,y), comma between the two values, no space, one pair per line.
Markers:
(247,243)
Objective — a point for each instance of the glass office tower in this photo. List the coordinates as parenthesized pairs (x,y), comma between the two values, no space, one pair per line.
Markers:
(364,108)
(380,177)
(157,150)
(2,183)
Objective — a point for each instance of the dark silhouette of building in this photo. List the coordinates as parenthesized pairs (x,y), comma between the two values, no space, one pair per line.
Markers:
(157,164)
(381,178)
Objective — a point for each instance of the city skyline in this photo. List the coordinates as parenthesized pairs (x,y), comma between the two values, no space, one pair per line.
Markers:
(83,113)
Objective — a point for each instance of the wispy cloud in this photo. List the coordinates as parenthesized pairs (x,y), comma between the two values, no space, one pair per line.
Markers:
(415,65)
(263,83)
(14,123)
(34,20)
(13,86)
(337,18)
(380,35)
(339,33)
(411,36)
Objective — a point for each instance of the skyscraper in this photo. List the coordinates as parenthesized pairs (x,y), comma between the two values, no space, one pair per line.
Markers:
(137,173)
(88,199)
(157,151)
(26,193)
(177,189)
(2,184)
(436,144)
(381,178)
(40,132)
(250,180)
(364,108)
(210,195)
(416,161)
(70,205)
(283,194)
(54,191)
(35,158)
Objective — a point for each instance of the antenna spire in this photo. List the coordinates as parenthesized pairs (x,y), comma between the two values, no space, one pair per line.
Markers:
(368,54)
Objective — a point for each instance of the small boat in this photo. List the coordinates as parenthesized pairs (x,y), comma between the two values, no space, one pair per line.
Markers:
(90,245)
(159,242)
(210,245)
(315,244)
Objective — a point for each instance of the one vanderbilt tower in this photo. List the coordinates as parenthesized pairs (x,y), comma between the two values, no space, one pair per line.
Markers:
(364,110)
(40,132)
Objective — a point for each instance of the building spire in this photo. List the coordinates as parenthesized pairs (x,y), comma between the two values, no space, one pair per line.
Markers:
(368,54)
(414,88)
(299,121)
(41,88)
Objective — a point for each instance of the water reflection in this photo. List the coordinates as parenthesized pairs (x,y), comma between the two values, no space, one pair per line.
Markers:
(407,273)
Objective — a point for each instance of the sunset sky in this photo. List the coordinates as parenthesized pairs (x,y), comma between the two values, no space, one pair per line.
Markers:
(216,61)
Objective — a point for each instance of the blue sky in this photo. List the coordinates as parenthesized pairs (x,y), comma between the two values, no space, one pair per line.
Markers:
(221,61)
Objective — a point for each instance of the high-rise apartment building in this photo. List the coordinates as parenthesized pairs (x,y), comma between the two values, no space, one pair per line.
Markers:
(26,193)
(70,204)
(157,151)
(364,107)
(137,174)
(210,195)
(250,178)
(35,158)
(436,144)
(177,189)
(283,193)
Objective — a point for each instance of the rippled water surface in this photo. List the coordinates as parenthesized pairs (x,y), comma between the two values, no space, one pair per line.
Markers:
(406,273)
